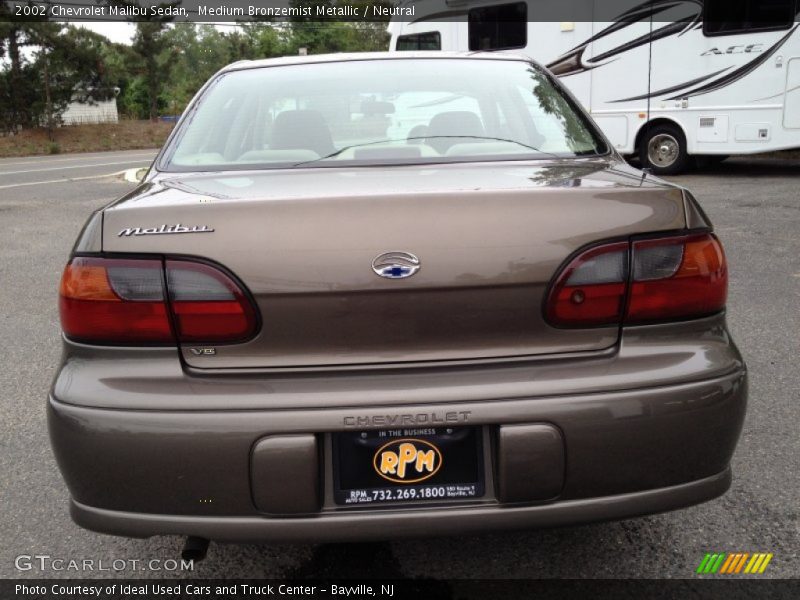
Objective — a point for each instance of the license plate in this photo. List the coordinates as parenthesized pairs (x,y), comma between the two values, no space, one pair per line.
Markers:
(408,465)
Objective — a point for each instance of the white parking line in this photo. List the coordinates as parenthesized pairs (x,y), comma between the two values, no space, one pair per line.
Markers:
(119,162)
(49,160)
(14,185)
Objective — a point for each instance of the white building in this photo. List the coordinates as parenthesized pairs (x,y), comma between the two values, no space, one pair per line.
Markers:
(99,111)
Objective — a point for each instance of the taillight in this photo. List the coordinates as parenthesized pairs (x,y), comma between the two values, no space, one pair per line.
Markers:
(676,277)
(591,289)
(131,301)
(207,304)
(114,301)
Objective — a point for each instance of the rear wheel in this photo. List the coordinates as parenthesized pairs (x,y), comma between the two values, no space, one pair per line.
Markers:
(663,149)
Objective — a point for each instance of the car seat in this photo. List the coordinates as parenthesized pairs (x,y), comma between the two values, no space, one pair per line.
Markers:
(301,130)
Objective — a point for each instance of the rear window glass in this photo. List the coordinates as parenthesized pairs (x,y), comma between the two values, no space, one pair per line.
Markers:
(498,27)
(431,40)
(725,17)
(397,111)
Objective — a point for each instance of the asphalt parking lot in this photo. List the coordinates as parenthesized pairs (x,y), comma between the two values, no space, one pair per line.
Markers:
(755,205)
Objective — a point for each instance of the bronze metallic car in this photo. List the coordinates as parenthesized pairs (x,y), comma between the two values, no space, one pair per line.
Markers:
(371,296)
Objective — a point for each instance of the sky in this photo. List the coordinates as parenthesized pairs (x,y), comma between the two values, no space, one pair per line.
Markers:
(121,33)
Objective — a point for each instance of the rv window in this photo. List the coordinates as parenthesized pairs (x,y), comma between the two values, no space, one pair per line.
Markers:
(498,27)
(431,40)
(726,17)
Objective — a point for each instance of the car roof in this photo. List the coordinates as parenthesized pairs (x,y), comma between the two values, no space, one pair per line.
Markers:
(359,56)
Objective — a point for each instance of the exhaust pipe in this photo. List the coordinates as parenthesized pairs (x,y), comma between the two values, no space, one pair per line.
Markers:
(194,549)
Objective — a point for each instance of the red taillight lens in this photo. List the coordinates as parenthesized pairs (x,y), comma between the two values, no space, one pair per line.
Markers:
(680,277)
(676,277)
(114,301)
(591,289)
(124,302)
(207,304)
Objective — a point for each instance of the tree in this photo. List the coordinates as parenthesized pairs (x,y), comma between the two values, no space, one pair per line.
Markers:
(195,53)
(163,68)
(18,86)
(149,44)
(45,36)
(256,40)
(70,62)
(65,63)
(319,37)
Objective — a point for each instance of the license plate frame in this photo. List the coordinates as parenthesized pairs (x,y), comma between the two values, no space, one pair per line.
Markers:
(456,472)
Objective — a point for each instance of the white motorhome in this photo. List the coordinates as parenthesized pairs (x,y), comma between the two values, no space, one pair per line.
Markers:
(667,80)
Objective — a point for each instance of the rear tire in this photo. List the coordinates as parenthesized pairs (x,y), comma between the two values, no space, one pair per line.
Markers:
(663,150)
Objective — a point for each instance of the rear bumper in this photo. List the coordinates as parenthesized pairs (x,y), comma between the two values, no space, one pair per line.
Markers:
(627,453)
(393,524)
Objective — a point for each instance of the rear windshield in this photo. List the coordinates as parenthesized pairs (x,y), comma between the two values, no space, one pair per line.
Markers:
(398,111)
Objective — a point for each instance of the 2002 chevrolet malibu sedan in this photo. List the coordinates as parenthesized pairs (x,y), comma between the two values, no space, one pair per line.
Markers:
(370,296)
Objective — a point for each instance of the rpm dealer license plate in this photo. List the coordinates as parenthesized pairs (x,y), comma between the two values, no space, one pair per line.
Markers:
(408,465)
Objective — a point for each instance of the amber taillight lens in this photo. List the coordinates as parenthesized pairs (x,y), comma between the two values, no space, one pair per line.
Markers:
(114,301)
(148,301)
(643,281)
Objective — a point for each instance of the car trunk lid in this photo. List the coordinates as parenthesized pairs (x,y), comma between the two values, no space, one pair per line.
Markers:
(489,238)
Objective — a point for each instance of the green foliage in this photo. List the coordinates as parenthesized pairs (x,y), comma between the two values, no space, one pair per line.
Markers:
(19,87)
(49,65)
(162,69)
(153,60)
(133,102)
(336,36)
(194,53)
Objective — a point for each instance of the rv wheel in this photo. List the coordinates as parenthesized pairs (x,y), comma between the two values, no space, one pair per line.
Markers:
(663,149)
